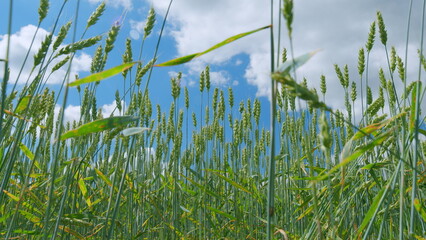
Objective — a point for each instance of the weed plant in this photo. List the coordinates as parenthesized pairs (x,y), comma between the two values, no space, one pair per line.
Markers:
(213,172)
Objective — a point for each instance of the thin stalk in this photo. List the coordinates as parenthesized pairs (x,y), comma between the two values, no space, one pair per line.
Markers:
(156,47)
(23,190)
(58,143)
(120,191)
(416,130)
(271,176)
(404,147)
(6,70)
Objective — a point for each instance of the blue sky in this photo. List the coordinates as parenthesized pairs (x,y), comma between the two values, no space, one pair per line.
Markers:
(338,27)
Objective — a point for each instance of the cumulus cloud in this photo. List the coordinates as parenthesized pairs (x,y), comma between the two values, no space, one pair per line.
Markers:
(73,113)
(340,28)
(220,78)
(20,43)
(111,109)
(126,4)
(136,28)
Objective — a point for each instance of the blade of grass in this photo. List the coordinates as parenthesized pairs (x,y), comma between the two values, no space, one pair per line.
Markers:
(185,59)
(99,125)
(102,75)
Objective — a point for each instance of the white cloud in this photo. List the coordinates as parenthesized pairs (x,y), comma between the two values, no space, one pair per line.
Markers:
(220,78)
(136,29)
(338,27)
(20,43)
(127,4)
(108,109)
(73,113)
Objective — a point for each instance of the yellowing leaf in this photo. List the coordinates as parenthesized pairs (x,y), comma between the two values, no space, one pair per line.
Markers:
(83,190)
(20,117)
(103,177)
(13,197)
(420,209)
(29,154)
(26,151)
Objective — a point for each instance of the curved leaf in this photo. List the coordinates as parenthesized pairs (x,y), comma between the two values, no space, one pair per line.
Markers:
(134,130)
(297,62)
(20,117)
(23,104)
(188,58)
(98,126)
(102,75)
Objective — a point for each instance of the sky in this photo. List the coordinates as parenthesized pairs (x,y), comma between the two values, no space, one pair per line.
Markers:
(338,27)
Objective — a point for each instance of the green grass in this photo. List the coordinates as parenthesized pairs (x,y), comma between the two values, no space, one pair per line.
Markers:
(214,172)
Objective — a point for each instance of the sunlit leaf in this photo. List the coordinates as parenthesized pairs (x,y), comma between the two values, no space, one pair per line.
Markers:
(34,219)
(368,130)
(297,62)
(83,190)
(306,212)
(376,165)
(178,61)
(20,117)
(188,58)
(347,156)
(29,154)
(185,209)
(26,151)
(26,232)
(98,126)
(133,130)
(102,75)
(13,197)
(23,104)
(103,177)
(420,209)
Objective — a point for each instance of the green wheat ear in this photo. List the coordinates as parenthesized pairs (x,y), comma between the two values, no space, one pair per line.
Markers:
(371,37)
(323,85)
(82,44)
(39,56)
(300,91)
(93,19)
(393,59)
(62,34)
(361,61)
(287,12)
(42,10)
(382,29)
(149,23)
(401,68)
